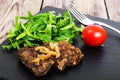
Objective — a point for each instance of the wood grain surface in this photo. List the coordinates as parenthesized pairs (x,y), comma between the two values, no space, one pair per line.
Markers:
(107,9)
(113,8)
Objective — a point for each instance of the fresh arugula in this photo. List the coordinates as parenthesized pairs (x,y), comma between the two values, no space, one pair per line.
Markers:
(44,27)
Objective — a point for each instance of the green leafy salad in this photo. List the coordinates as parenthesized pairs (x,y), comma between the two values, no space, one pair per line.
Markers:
(42,28)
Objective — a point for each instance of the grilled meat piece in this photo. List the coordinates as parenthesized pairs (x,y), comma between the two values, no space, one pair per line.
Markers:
(28,54)
(70,55)
(40,59)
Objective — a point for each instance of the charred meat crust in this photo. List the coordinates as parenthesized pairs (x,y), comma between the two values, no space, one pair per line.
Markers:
(69,56)
(27,55)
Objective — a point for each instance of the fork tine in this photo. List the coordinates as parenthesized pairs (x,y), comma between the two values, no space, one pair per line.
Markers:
(74,11)
(75,14)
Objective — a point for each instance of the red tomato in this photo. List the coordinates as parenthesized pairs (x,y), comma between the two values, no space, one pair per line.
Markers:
(94,35)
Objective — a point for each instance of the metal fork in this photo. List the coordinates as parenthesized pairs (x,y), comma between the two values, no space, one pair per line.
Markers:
(83,19)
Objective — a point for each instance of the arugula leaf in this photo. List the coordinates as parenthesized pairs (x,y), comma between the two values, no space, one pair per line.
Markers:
(43,27)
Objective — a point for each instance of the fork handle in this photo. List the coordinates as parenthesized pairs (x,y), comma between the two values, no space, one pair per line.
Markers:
(108,26)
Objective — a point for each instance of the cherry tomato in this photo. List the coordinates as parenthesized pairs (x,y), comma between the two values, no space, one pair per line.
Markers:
(94,35)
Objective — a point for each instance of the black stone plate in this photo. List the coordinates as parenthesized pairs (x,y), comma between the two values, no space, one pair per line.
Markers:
(101,63)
